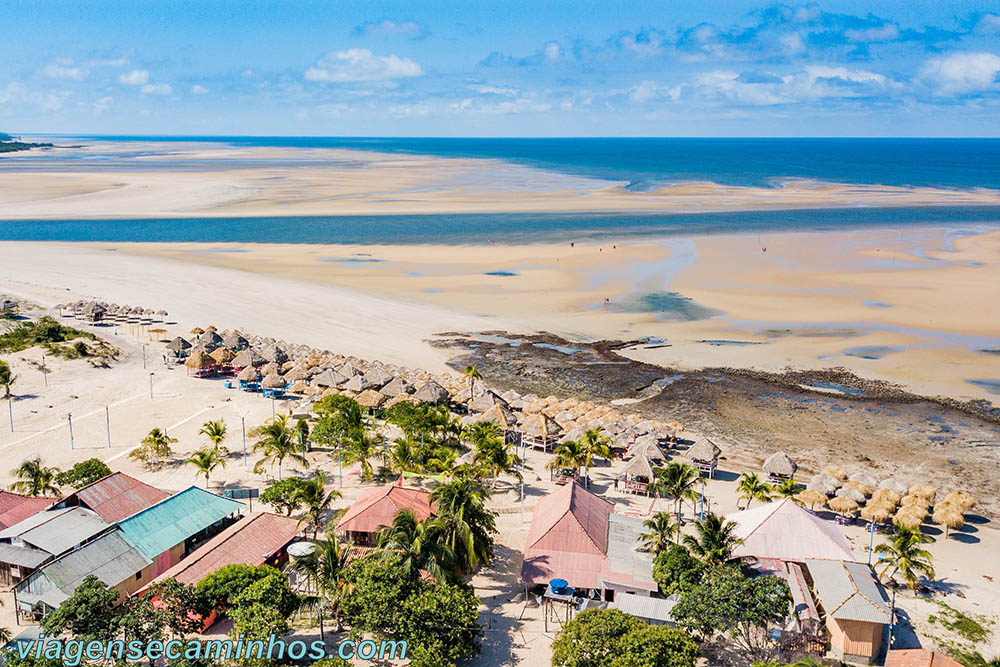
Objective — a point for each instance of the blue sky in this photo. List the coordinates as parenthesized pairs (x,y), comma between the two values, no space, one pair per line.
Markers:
(501,68)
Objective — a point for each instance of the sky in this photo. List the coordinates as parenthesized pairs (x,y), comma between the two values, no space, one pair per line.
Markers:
(500,68)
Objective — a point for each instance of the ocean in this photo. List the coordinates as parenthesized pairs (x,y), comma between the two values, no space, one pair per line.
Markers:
(638,164)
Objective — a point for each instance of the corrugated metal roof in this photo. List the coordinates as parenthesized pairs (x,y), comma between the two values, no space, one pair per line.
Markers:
(849,591)
(918,657)
(626,565)
(786,531)
(112,558)
(646,608)
(173,520)
(116,496)
(22,556)
(57,531)
(377,506)
(15,508)
(250,541)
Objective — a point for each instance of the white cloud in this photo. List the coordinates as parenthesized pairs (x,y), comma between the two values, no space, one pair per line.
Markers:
(157,89)
(16,92)
(198,90)
(495,90)
(111,62)
(989,24)
(137,77)
(552,52)
(65,68)
(650,90)
(410,110)
(518,105)
(390,28)
(361,65)
(98,106)
(886,32)
(812,83)
(963,72)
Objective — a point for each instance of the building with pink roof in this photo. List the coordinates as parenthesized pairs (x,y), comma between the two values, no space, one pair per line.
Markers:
(376,507)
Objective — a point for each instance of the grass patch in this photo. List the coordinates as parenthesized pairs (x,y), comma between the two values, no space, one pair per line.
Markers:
(974,629)
(58,340)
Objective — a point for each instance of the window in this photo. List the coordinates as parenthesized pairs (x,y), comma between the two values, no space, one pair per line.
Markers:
(138,575)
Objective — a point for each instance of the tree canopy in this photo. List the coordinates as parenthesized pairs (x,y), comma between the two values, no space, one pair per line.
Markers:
(611,638)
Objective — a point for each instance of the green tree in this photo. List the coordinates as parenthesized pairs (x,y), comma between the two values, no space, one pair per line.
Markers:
(611,638)
(178,604)
(594,444)
(312,495)
(416,545)
(472,374)
(677,482)
(361,448)
(215,431)
(220,588)
(569,454)
(35,479)
(89,613)
(492,452)
(714,540)
(324,567)
(205,461)
(401,455)
(276,441)
(676,571)
(660,533)
(788,488)
(728,601)
(441,624)
(751,488)
(83,473)
(154,448)
(904,555)
(7,378)
(281,495)
(378,586)
(468,526)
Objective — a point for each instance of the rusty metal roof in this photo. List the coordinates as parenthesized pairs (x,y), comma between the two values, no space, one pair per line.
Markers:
(116,496)
(376,507)
(250,541)
(918,657)
(15,508)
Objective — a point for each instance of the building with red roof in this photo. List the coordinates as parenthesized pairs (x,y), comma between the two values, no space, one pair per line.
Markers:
(376,507)
(918,657)
(115,497)
(15,508)
(576,536)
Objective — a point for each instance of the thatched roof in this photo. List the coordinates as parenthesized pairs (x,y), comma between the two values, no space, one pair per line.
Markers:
(823,483)
(896,485)
(485,401)
(704,450)
(210,339)
(864,478)
(842,505)
(640,466)
(431,392)
(249,374)
(178,344)
(349,370)
(274,353)
(329,378)
(780,463)
(299,388)
(222,355)
(297,374)
(200,359)
(541,425)
(248,357)
(377,377)
(852,493)
(234,340)
(273,381)
(646,449)
(370,398)
(356,383)
(498,414)
(397,386)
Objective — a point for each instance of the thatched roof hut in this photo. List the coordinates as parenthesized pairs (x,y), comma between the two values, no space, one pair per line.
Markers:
(349,370)
(823,483)
(200,359)
(430,392)
(297,374)
(540,425)
(639,466)
(234,340)
(397,386)
(358,384)
(852,493)
(895,485)
(222,355)
(273,381)
(274,353)
(811,497)
(923,490)
(498,414)
(178,344)
(249,374)
(370,398)
(248,357)
(704,450)
(864,478)
(780,464)
(210,339)
(842,505)
(485,401)
(377,377)
(300,388)
(646,448)
(329,378)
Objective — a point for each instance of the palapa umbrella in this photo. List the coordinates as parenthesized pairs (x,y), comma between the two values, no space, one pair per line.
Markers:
(860,486)
(356,384)
(948,515)
(299,388)
(349,370)
(510,395)
(886,496)
(852,493)
(877,512)
(297,374)
(211,327)
(210,339)
(378,377)
(222,355)
(811,498)
(780,464)
(485,401)
(200,359)
(843,505)
(249,374)
(895,485)
(704,450)
(271,368)
(498,414)
(273,381)
(639,466)
(864,478)
(836,472)
(248,357)
(915,501)
(235,341)
(178,344)
(825,484)
(197,331)
(397,386)
(430,392)
(910,516)
(370,398)
(329,378)
(924,490)
(960,499)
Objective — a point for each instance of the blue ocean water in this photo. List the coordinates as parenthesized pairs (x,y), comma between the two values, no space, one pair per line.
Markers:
(645,163)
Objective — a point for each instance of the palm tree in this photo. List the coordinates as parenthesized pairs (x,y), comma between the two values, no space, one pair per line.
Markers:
(7,378)
(594,443)
(418,545)
(661,533)
(215,431)
(788,488)
(677,481)
(317,500)
(35,479)
(324,567)
(276,441)
(715,540)
(205,461)
(751,488)
(904,555)
(401,456)
(155,446)
(570,454)
(492,452)
(361,448)
(468,526)
(472,373)
(483,434)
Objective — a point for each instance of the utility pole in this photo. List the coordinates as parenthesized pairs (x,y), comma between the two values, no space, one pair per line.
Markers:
(151,385)
(69,418)
(243,423)
(10,412)
(107,423)
(143,356)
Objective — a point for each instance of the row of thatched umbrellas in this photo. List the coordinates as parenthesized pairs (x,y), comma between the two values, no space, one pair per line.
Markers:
(111,311)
